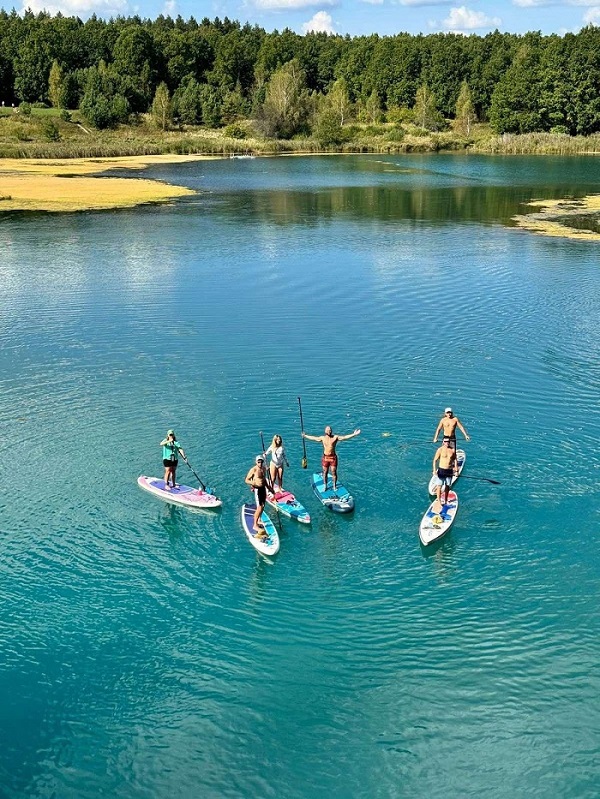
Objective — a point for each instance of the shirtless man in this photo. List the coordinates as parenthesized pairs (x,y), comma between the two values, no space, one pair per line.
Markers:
(330,459)
(448,424)
(446,469)
(258,481)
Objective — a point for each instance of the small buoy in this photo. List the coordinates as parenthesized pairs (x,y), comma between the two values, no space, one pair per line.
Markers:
(386,435)
(437,519)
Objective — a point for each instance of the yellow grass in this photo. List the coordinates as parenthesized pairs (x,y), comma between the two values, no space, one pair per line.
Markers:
(39,185)
(553,217)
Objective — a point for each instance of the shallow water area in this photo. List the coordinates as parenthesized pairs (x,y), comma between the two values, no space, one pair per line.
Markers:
(150,652)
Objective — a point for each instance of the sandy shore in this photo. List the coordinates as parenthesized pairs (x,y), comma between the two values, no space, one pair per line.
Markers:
(553,217)
(66,184)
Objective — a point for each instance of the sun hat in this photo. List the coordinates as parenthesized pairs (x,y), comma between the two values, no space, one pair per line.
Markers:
(170,432)
(448,410)
(259,458)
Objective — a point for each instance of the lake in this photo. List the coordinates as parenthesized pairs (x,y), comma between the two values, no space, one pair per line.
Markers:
(149,652)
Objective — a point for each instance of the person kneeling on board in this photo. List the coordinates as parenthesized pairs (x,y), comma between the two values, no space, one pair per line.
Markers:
(447,467)
(170,450)
(258,481)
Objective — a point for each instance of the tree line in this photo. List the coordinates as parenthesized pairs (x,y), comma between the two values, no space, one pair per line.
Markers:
(215,72)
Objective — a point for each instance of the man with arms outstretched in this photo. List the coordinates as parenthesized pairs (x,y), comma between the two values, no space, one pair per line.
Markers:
(330,458)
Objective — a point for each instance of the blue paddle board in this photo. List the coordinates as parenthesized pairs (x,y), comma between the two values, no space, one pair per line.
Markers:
(268,543)
(340,500)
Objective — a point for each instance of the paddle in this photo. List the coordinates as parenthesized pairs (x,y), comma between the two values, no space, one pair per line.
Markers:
(189,465)
(262,441)
(487,479)
(304,460)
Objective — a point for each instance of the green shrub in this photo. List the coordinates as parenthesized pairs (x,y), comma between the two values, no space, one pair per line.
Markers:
(65,115)
(397,133)
(400,114)
(25,109)
(560,129)
(39,105)
(235,131)
(49,130)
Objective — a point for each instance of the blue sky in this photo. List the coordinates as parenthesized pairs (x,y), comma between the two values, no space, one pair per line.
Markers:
(357,17)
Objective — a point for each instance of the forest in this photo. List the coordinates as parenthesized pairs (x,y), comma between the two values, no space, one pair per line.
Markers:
(217,72)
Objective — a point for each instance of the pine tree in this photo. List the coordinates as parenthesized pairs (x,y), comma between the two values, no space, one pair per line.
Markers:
(55,85)
(162,107)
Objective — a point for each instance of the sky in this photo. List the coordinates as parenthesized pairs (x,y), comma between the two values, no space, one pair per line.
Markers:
(357,17)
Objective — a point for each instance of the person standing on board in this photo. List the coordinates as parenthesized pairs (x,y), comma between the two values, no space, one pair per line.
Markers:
(447,467)
(330,458)
(448,424)
(278,458)
(170,451)
(258,481)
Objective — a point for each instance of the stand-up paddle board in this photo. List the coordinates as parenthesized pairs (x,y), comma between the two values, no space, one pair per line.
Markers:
(268,543)
(436,523)
(339,500)
(286,503)
(461,457)
(186,496)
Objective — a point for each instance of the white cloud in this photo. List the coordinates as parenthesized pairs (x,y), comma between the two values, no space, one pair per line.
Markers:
(373,2)
(282,5)
(463,20)
(592,16)
(532,3)
(169,8)
(424,2)
(81,8)
(320,23)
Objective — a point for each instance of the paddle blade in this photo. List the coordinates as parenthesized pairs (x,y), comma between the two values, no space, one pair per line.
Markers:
(304,463)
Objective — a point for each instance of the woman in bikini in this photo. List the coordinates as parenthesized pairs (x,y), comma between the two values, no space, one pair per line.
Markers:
(278,458)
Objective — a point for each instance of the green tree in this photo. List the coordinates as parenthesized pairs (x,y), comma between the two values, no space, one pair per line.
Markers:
(187,102)
(426,113)
(515,101)
(465,111)
(372,111)
(338,100)
(327,129)
(162,107)
(212,103)
(285,110)
(55,85)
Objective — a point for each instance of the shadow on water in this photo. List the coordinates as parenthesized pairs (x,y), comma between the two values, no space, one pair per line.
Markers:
(257,582)
(442,556)
(173,520)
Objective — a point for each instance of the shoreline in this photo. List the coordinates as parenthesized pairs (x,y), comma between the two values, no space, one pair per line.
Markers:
(56,185)
(67,185)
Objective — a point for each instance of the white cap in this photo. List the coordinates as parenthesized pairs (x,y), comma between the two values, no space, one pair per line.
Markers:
(448,410)
(260,458)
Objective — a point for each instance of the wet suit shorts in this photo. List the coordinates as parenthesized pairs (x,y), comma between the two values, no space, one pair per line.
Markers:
(445,477)
(261,495)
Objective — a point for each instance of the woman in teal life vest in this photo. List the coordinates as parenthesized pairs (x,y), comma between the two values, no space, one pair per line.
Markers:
(170,451)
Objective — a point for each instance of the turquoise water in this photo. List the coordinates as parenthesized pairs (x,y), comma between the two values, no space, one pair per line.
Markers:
(150,652)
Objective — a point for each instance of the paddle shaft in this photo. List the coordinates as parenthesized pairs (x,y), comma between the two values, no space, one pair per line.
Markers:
(304,459)
(487,479)
(193,472)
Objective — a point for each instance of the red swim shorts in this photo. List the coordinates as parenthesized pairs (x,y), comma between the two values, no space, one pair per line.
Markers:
(329,460)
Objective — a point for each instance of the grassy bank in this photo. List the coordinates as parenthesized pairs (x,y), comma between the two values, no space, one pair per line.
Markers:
(44,134)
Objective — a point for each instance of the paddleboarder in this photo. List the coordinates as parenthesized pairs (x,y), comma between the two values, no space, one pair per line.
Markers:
(170,451)
(448,424)
(278,458)
(447,467)
(329,460)
(259,481)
